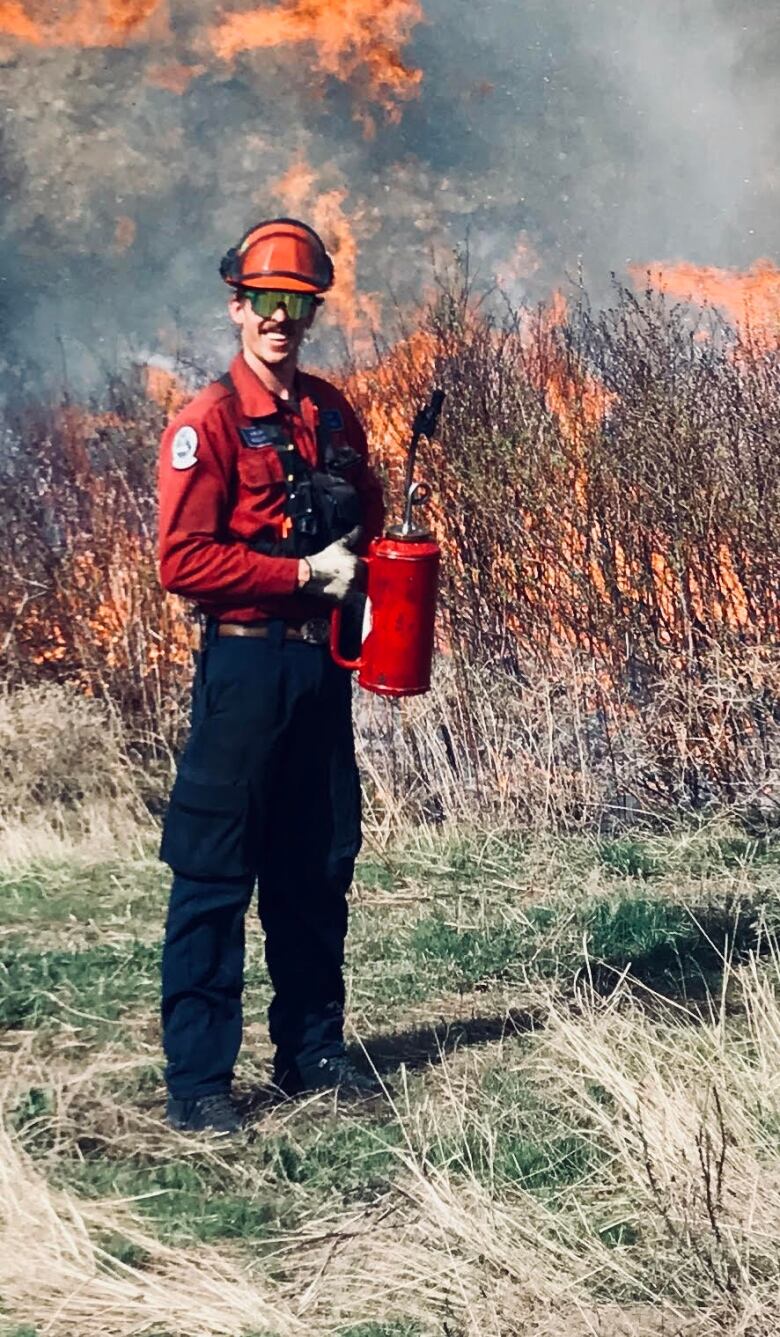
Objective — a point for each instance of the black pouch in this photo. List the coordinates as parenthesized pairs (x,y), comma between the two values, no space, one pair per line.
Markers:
(205,829)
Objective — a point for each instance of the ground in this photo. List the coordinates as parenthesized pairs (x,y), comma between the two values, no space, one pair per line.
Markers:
(580,1039)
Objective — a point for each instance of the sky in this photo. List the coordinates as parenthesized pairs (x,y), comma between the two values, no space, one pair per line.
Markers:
(141,138)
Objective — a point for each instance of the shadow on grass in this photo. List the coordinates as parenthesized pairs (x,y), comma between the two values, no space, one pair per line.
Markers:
(421,1046)
(416,1048)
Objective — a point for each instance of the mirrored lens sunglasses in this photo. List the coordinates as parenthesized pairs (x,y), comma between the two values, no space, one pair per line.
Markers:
(264,302)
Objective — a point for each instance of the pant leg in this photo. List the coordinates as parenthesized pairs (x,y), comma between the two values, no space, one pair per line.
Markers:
(211,832)
(307,861)
(202,983)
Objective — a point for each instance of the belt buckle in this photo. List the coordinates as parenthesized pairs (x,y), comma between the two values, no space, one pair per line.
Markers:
(315,630)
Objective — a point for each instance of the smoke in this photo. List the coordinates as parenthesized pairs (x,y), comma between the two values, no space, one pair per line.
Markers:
(142,138)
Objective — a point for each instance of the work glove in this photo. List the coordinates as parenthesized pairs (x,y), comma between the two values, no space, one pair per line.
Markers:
(336,571)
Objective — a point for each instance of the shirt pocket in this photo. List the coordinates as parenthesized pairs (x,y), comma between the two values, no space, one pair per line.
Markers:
(260,469)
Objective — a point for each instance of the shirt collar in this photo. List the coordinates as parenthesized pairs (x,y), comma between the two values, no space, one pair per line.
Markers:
(258,402)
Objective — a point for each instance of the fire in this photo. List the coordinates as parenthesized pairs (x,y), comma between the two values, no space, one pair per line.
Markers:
(750,298)
(14,22)
(357,41)
(163,387)
(577,398)
(87,24)
(356,313)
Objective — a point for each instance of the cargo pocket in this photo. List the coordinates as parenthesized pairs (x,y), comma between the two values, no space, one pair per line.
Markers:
(205,830)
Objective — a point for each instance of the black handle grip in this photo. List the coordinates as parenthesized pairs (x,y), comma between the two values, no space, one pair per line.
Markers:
(427,417)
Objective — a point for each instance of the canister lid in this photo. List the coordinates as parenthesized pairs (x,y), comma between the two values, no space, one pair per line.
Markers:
(410,536)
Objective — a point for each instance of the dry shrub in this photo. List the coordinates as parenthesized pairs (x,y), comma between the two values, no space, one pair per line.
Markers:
(608,482)
(81,601)
(607,497)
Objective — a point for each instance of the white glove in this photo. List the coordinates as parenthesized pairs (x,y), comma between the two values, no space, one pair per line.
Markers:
(335,571)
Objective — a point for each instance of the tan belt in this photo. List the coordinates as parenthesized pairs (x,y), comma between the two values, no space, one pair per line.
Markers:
(315,631)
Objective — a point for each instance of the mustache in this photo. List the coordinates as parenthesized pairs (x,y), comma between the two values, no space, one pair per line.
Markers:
(288,327)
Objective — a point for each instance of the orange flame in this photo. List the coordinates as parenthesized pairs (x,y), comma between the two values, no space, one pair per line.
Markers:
(750,298)
(577,398)
(163,387)
(357,41)
(356,313)
(89,24)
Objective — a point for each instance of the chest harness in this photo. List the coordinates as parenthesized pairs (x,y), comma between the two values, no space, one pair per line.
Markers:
(321,504)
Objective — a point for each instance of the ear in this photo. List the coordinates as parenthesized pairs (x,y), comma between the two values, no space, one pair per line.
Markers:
(236,308)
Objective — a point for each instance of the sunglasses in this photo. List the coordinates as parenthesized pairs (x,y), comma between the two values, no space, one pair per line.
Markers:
(264,301)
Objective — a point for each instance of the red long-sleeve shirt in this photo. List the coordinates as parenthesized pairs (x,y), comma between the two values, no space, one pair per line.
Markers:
(221,482)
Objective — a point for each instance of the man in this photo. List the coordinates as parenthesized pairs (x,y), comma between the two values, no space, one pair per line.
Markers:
(265,494)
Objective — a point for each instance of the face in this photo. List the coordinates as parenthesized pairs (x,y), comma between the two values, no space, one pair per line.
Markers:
(274,340)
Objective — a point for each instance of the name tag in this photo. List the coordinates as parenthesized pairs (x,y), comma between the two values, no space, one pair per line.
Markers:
(268,434)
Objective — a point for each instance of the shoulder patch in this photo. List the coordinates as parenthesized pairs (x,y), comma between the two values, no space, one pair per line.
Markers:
(332,419)
(184,448)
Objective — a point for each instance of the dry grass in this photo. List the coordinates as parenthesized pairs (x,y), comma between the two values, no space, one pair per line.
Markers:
(55,1272)
(69,788)
(555,750)
(610,1165)
(688,1179)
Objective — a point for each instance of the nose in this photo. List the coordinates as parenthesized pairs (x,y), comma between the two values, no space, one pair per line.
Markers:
(280,315)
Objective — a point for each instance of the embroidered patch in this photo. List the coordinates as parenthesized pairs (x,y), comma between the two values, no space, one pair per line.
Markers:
(184,448)
(268,434)
(332,419)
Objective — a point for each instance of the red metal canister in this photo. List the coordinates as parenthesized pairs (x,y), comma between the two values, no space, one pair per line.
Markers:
(397,650)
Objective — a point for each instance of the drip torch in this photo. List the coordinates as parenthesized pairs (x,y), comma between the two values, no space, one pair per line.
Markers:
(403,569)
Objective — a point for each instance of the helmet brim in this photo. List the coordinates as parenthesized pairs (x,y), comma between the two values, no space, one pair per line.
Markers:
(278,283)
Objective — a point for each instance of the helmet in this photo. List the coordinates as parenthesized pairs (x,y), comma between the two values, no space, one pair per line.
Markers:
(279,253)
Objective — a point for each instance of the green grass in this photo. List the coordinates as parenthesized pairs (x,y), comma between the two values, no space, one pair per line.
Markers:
(468,932)
(94,985)
(519,1135)
(53,895)
(255,1190)
(397,1328)
(189,1201)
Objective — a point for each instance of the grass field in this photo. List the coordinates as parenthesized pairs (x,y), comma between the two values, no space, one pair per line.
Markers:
(581,1132)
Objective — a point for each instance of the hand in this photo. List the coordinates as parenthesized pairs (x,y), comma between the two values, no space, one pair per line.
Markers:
(336,571)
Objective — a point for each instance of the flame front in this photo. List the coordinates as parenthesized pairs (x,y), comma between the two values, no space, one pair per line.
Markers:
(355,40)
(749,298)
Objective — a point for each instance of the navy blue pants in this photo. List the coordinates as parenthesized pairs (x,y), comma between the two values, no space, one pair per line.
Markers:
(267,792)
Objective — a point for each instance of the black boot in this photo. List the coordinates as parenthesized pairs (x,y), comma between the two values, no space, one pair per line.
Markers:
(215,1113)
(334,1073)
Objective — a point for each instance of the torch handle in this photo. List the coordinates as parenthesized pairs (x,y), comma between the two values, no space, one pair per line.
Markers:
(425,420)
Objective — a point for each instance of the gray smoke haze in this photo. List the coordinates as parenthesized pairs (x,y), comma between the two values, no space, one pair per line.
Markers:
(594,132)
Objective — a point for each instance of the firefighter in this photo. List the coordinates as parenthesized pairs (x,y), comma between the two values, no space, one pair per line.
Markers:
(267,501)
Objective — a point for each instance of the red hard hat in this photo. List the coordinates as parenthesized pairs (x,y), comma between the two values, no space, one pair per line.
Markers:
(279,253)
